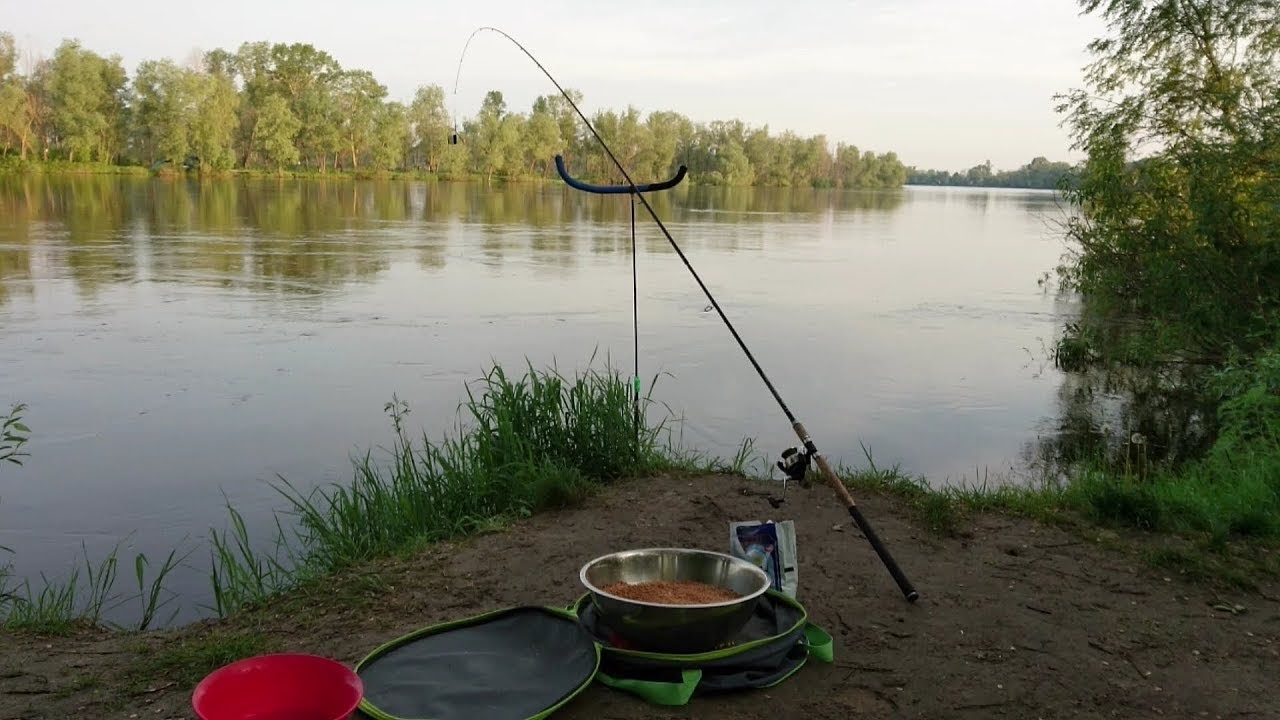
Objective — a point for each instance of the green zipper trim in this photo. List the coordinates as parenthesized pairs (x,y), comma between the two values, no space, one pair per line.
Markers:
(712,654)
(368,709)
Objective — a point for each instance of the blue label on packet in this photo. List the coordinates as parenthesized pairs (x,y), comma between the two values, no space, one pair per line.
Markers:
(760,543)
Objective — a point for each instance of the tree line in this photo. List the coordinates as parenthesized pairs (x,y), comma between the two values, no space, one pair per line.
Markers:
(274,106)
(1039,174)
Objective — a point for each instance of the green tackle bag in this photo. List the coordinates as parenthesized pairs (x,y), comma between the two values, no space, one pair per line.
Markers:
(527,662)
(775,643)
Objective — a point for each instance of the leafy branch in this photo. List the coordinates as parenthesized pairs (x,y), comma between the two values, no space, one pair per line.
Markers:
(13,435)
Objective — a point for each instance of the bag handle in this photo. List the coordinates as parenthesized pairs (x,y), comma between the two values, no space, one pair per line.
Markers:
(819,642)
(658,693)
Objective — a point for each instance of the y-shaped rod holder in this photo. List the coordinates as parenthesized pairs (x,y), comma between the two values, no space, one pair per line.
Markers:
(617,189)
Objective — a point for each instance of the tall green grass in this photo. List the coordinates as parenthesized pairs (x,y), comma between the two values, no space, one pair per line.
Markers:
(14,433)
(945,509)
(521,445)
(85,594)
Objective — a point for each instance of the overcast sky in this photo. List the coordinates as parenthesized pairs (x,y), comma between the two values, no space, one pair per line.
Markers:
(945,84)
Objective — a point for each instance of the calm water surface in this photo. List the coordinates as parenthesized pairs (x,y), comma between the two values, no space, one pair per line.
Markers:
(178,340)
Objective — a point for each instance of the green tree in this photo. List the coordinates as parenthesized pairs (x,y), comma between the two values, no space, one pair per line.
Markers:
(164,103)
(1180,235)
(661,156)
(8,56)
(275,129)
(213,129)
(87,102)
(571,128)
(850,171)
(251,63)
(892,173)
(307,79)
(491,148)
(542,137)
(13,127)
(391,136)
(12,94)
(429,125)
(15,118)
(359,99)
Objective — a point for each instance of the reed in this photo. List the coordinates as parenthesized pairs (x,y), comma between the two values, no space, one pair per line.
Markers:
(521,445)
(84,595)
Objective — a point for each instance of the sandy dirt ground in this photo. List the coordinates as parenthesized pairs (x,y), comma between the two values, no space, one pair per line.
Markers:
(1015,620)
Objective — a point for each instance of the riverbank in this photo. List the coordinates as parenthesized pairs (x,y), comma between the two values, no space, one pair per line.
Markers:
(1016,618)
(546,473)
(544,442)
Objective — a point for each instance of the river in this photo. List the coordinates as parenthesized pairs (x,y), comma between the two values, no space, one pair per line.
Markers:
(179,340)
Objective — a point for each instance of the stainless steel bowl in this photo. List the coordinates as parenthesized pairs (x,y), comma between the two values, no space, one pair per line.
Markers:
(658,627)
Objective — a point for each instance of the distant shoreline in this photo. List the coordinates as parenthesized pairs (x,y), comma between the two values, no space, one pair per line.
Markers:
(28,168)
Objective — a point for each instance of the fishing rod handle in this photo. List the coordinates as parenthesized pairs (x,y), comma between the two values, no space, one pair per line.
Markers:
(617,189)
(908,590)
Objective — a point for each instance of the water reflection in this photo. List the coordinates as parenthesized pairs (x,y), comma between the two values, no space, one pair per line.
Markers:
(16,221)
(272,235)
(1125,418)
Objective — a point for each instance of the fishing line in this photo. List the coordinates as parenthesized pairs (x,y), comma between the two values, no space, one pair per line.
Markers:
(794,462)
(635,314)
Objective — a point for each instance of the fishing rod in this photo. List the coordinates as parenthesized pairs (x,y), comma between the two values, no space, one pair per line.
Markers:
(794,462)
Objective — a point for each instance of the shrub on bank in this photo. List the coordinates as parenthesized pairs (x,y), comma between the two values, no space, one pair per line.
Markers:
(1234,490)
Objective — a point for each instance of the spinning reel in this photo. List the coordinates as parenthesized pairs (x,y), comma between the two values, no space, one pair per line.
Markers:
(794,464)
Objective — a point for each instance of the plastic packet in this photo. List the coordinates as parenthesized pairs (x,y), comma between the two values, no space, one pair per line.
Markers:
(770,545)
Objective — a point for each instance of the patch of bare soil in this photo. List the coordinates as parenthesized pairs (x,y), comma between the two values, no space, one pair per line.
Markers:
(1017,620)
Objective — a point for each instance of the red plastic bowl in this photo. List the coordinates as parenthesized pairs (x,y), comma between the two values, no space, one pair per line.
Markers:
(279,687)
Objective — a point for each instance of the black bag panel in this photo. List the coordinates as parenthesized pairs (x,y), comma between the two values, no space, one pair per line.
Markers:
(755,677)
(511,665)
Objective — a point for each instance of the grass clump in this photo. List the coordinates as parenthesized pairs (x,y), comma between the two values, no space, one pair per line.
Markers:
(522,445)
(947,510)
(1208,562)
(186,661)
(57,606)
